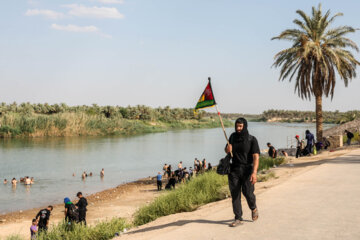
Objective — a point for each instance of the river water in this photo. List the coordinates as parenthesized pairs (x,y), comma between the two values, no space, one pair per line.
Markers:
(52,161)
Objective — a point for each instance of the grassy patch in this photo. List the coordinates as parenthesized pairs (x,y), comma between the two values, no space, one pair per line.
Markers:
(14,237)
(102,231)
(206,188)
(203,189)
(266,162)
(266,176)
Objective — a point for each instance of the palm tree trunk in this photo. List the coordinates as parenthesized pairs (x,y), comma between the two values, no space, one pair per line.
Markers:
(319,118)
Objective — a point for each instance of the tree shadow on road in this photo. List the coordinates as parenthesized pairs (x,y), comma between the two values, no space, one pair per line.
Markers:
(180,223)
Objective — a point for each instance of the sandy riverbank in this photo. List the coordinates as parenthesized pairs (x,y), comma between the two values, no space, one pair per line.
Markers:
(125,199)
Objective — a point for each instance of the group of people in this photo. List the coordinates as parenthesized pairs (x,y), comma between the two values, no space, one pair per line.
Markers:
(311,145)
(181,174)
(84,175)
(25,180)
(73,213)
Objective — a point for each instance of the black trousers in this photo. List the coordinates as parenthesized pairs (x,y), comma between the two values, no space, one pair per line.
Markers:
(239,181)
(42,228)
(298,152)
(159,185)
(82,216)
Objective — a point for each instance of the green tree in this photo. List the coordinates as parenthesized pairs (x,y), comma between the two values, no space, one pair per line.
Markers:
(315,56)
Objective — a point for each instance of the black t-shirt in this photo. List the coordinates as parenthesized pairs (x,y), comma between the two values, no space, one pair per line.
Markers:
(82,203)
(44,216)
(272,151)
(243,151)
(349,135)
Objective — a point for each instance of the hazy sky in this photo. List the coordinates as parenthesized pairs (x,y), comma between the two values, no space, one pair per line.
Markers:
(156,52)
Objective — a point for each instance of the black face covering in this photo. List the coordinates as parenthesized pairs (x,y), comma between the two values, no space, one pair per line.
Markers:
(244,134)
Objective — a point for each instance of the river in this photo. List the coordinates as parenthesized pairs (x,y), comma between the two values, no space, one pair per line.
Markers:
(52,161)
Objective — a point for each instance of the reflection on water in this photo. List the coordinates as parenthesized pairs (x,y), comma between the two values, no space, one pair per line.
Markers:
(53,161)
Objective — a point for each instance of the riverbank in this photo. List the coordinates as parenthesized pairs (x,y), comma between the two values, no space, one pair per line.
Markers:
(124,200)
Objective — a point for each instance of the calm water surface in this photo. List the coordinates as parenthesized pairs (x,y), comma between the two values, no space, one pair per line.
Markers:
(52,161)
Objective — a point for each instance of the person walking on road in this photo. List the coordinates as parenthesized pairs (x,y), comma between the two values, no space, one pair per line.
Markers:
(243,170)
(81,204)
(349,136)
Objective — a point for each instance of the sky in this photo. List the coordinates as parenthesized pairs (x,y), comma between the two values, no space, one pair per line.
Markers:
(157,53)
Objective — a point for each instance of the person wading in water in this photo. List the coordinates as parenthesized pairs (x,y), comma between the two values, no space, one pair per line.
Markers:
(243,170)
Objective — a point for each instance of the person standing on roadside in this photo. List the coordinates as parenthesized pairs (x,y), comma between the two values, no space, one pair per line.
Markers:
(349,136)
(298,146)
(243,170)
(43,218)
(310,141)
(159,181)
(81,204)
(272,151)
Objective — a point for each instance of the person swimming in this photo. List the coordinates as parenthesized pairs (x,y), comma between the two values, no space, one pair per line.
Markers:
(13,181)
(5,181)
(102,173)
(27,181)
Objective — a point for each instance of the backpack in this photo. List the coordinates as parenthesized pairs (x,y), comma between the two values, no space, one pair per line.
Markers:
(224,165)
(351,135)
(73,213)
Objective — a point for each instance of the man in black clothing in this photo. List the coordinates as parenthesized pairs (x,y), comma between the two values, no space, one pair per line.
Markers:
(349,136)
(243,169)
(272,151)
(43,218)
(81,204)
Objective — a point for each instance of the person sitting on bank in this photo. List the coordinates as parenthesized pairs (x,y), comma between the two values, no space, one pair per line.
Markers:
(349,136)
(272,151)
(172,180)
(326,143)
(285,154)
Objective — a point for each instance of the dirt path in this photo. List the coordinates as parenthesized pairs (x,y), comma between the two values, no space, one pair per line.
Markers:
(319,201)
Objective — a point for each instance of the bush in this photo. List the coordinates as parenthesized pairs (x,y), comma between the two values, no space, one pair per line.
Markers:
(201,190)
(101,231)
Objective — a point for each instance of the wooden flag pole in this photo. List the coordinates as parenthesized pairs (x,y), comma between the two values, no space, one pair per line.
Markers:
(223,128)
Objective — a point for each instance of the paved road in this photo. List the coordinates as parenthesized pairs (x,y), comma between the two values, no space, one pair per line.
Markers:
(322,203)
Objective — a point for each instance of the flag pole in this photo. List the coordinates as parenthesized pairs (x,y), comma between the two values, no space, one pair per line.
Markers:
(221,121)
(223,128)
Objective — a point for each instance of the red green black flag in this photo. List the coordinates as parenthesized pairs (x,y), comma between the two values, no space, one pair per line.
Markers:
(207,99)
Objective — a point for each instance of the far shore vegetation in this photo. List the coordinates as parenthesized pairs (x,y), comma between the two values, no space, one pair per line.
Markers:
(292,116)
(61,120)
(44,120)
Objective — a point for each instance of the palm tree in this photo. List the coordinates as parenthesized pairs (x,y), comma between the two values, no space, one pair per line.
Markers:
(315,56)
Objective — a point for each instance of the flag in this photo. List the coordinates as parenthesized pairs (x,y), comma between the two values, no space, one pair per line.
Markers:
(207,99)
